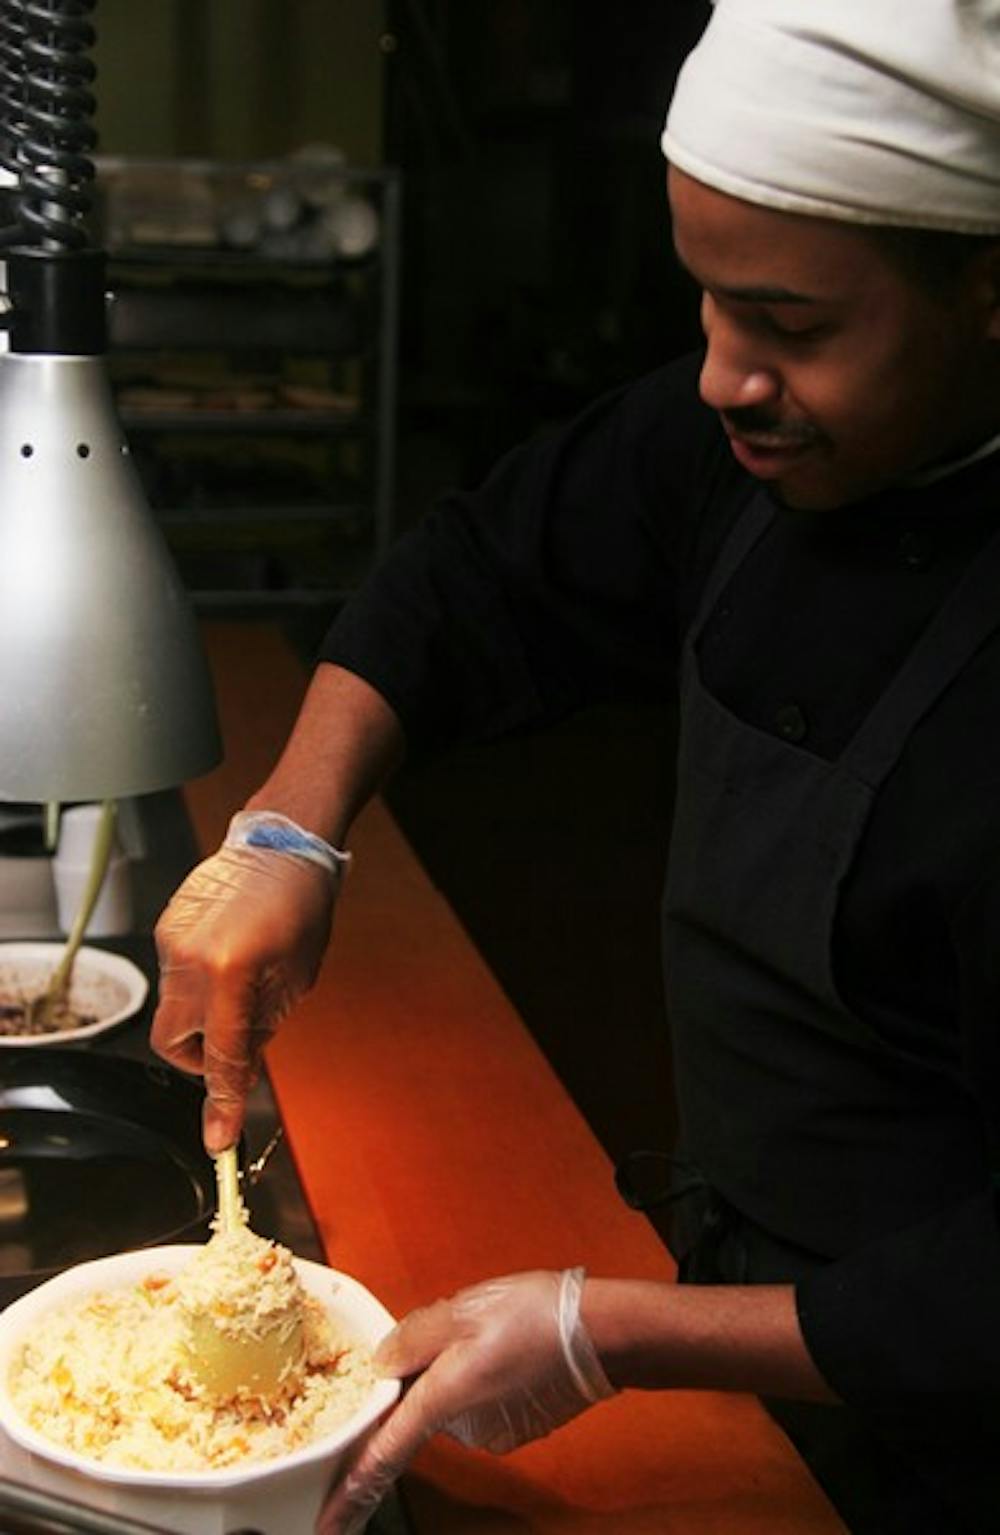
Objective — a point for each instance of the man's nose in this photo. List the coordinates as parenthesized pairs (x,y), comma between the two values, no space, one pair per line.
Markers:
(733,375)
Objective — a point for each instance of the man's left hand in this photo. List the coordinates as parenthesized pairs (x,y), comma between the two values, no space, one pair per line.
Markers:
(495,1366)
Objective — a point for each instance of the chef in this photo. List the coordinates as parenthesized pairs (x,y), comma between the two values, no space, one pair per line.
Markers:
(797,533)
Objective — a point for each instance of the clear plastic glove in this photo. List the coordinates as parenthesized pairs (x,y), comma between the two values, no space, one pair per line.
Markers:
(497,1365)
(240,941)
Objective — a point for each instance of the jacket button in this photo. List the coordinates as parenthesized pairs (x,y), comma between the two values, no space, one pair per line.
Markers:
(791,723)
(913,551)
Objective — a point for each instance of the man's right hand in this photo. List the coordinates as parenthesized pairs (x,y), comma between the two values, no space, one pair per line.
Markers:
(240,941)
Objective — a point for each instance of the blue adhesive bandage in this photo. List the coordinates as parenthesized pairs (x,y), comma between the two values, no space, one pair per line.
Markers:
(278,834)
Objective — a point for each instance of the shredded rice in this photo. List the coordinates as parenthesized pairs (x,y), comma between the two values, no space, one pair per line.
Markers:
(107,1375)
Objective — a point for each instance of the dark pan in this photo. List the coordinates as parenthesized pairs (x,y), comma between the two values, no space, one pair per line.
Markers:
(98,1154)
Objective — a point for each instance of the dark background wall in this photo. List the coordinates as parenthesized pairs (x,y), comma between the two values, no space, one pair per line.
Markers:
(537,269)
(538,273)
(239,79)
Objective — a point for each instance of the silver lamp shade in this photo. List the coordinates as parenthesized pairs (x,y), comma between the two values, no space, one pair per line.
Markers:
(104,688)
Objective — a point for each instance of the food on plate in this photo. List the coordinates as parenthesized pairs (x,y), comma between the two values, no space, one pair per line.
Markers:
(110,1375)
(104,989)
(18,1019)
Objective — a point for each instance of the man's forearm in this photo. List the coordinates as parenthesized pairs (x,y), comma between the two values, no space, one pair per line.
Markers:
(710,1337)
(345,742)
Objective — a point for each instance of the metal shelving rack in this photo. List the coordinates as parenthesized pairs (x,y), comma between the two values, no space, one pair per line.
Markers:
(261,310)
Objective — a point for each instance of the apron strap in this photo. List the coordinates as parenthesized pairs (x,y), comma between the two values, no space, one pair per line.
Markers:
(960,627)
(745,532)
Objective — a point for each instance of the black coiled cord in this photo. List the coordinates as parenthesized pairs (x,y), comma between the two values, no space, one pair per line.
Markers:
(46,111)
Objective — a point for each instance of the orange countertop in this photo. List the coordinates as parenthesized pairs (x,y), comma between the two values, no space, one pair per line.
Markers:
(436,1147)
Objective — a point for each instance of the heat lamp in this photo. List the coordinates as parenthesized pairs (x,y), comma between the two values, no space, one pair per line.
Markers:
(104,687)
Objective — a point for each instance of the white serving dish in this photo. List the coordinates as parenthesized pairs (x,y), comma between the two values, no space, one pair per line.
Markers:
(103,983)
(276,1497)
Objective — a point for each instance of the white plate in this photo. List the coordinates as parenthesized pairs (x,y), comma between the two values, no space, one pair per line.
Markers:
(107,985)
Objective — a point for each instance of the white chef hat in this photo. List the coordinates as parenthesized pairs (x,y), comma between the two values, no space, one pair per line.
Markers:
(868,111)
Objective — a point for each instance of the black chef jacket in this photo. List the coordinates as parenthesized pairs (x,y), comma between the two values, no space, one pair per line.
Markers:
(570,577)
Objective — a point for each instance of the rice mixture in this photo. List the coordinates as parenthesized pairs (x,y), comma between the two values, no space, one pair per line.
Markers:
(108,1375)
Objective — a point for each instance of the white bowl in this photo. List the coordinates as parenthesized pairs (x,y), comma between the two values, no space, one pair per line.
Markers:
(104,984)
(276,1497)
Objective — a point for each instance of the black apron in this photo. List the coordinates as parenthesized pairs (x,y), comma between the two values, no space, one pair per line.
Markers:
(810,1135)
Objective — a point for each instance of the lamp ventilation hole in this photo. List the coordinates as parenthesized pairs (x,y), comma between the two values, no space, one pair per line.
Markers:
(26,450)
(83,450)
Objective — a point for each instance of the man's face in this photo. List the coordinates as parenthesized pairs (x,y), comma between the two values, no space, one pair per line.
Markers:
(834,373)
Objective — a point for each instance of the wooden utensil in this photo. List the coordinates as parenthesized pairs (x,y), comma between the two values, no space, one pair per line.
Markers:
(226,1362)
(43,1010)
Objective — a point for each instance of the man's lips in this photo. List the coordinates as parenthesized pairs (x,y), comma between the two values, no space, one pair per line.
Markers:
(766,453)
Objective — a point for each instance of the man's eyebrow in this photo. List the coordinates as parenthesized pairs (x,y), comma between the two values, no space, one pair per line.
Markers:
(752,293)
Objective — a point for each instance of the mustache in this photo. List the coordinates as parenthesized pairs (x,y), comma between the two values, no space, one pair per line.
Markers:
(754,422)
